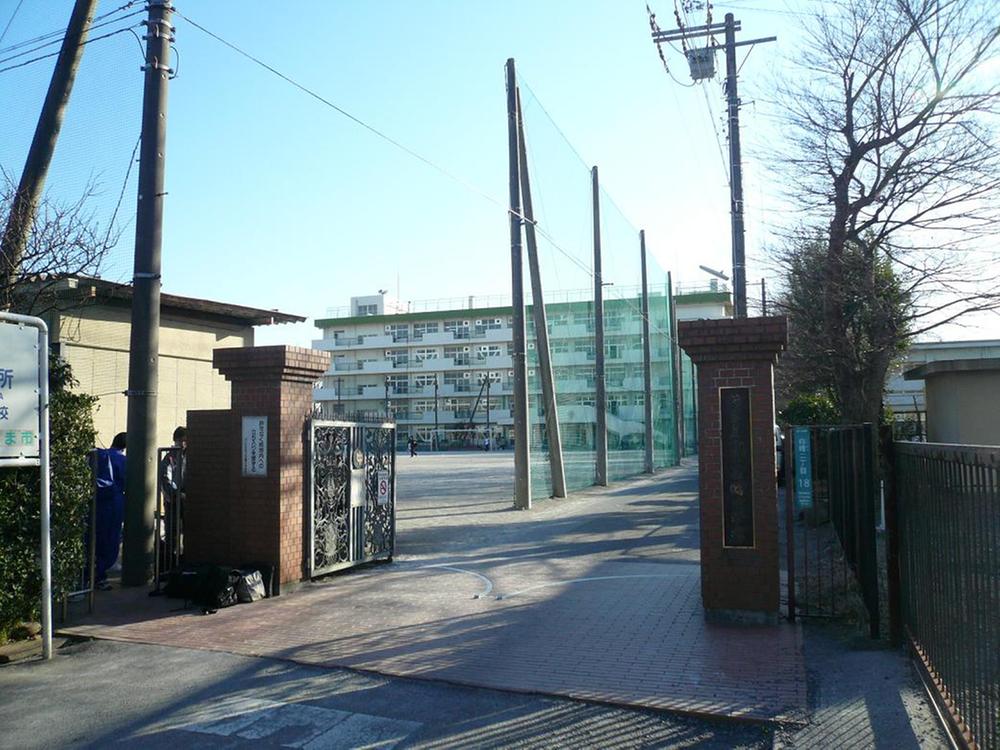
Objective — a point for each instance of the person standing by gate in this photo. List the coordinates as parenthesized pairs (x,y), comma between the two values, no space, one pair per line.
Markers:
(413,445)
(109,472)
(172,471)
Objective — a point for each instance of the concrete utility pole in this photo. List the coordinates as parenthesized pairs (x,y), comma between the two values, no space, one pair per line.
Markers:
(600,391)
(43,146)
(647,362)
(145,337)
(437,434)
(522,466)
(704,68)
(735,175)
(546,378)
(676,386)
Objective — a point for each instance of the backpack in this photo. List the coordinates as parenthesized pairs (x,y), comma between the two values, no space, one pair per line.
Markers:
(216,588)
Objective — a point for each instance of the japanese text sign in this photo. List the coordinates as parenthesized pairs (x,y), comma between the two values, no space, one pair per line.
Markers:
(19,394)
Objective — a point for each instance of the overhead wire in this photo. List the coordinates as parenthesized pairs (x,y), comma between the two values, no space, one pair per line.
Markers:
(91,40)
(59,41)
(397,144)
(62,31)
(11,20)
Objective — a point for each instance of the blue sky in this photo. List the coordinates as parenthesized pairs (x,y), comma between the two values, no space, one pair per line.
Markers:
(278,201)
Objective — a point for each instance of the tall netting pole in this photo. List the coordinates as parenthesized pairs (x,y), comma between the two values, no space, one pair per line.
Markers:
(522,467)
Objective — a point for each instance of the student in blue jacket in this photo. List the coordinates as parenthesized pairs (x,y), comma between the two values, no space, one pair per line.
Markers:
(110,472)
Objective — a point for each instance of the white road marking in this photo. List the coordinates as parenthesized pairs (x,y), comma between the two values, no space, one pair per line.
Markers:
(484,579)
(584,580)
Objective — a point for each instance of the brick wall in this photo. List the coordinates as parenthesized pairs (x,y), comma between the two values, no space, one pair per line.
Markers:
(737,353)
(262,517)
(206,516)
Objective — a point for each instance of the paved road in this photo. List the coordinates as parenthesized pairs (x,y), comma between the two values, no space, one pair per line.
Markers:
(598,600)
(100,694)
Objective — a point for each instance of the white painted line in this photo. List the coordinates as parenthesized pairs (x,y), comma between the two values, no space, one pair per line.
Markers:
(484,579)
(584,580)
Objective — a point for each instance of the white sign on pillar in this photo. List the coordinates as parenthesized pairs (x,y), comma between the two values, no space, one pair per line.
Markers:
(19,394)
(255,446)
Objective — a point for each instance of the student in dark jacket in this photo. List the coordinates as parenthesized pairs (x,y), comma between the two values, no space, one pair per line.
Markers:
(109,469)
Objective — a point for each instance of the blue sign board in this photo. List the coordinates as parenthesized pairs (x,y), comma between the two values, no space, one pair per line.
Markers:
(803,467)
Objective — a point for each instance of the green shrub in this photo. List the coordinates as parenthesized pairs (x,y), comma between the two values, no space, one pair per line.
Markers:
(72,431)
(810,408)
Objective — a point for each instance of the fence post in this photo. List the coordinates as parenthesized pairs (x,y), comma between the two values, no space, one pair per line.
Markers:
(788,450)
(891,521)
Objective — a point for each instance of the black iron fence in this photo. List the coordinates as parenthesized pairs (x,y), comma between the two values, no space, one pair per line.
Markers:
(948,501)
(832,499)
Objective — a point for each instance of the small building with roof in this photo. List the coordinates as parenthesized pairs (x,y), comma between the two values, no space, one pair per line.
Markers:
(89,321)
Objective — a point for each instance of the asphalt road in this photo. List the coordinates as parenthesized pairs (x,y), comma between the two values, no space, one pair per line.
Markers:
(97,694)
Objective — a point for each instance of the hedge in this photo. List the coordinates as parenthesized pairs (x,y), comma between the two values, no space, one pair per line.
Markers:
(72,430)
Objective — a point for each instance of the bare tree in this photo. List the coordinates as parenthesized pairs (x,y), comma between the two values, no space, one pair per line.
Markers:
(65,240)
(892,154)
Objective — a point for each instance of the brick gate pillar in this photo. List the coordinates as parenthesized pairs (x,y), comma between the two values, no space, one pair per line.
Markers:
(246,465)
(736,463)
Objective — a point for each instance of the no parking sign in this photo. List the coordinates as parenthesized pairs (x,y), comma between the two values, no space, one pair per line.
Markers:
(382,478)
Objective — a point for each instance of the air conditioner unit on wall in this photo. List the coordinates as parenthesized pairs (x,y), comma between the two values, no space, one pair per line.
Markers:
(465,349)
(388,328)
(497,321)
(467,375)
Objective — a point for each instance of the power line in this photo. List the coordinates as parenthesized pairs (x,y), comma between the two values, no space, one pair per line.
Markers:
(53,54)
(59,41)
(11,20)
(392,141)
(371,128)
(61,32)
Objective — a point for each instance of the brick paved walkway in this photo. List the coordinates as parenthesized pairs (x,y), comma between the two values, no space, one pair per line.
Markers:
(596,597)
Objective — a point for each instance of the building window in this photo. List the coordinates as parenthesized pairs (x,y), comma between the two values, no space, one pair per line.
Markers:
(398,384)
(489,350)
(398,331)
(421,354)
(367,310)
(419,329)
(458,328)
(398,357)
(423,381)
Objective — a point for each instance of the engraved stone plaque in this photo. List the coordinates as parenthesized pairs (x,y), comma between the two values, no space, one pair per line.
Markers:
(737,468)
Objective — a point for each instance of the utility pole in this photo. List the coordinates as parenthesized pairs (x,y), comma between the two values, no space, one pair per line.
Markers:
(703,67)
(522,466)
(340,393)
(735,174)
(387,397)
(143,370)
(43,146)
(437,434)
(600,390)
(763,298)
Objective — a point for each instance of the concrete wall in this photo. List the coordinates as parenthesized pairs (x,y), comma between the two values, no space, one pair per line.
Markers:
(95,342)
(964,407)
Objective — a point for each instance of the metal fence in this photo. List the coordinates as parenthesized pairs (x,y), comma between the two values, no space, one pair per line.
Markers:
(949,530)
(854,491)
(831,499)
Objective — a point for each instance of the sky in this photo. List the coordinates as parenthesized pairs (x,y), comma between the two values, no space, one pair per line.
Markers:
(276,200)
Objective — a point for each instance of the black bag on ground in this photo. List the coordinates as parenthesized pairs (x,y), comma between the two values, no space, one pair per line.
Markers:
(217,588)
(249,586)
(184,583)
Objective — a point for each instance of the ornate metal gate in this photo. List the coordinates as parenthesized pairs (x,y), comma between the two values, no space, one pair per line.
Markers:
(352,497)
